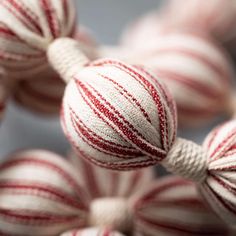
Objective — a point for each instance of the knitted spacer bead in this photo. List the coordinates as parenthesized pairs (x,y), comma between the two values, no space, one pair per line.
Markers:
(66,58)
(112,212)
(187,159)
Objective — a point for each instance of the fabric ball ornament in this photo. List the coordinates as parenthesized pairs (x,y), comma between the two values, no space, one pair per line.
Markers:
(43,194)
(92,232)
(27,27)
(44,93)
(197,72)
(41,95)
(216,17)
(125,118)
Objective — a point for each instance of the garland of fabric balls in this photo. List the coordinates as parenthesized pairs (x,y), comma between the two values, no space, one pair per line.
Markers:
(119,114)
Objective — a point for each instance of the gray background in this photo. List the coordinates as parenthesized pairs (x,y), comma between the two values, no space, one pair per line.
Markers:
(21,129)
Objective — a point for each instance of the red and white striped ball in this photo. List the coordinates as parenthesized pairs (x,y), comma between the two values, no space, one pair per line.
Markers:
(197,72)
(40,195)
(103,183)
(173,207)
(44,93)
(27,27)
(92,232)
(219,188)
(118,116)
(144,31)
(216,17)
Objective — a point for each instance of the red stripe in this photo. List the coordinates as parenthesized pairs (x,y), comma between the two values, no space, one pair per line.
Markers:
(51,17)
(24,10)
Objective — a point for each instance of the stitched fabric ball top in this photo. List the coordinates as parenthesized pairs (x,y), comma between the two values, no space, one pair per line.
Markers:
(26,29)
(119,116)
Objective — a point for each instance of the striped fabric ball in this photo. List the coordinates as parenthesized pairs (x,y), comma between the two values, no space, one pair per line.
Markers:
(41,95)
(125,119)
(44,93)
(196,71)
(217,17)
(92,232)
(173,207)
(40,195)
(103,183)
(219,189)
(27,27)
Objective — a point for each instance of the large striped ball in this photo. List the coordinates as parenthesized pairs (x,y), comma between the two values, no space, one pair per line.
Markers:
(103,183)
(92,232)
(196,71)
(118,116)
(40,194)
(219,187)
(27,27)
(173,207)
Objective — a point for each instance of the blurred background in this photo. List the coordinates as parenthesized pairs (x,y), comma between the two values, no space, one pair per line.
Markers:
(106,19)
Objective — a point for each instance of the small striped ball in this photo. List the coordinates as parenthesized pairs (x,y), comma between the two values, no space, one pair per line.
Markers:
(43,94)
(27,27)
(173,207)
(219,188)
(40,194)
(197,72)
(118,116)
(103,183)
(92,232)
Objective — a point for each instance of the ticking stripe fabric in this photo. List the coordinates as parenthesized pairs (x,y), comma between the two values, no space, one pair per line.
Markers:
(197,72)
(26,29)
